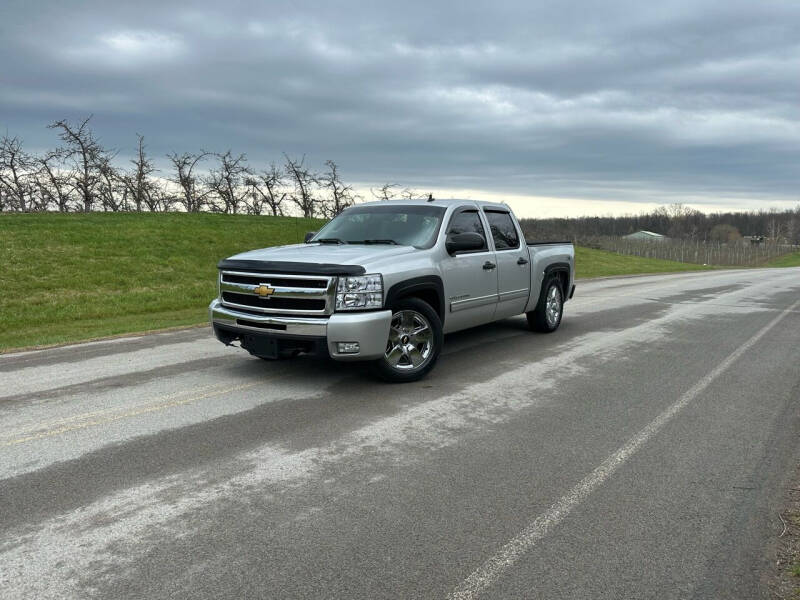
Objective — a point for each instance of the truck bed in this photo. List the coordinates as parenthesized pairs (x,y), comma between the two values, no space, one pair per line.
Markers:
(538,243)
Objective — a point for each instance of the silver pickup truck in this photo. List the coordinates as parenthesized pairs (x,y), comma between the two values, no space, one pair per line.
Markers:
(384,281)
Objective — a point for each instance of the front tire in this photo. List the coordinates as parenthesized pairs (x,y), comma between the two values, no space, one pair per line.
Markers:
(415,341)
(546,317)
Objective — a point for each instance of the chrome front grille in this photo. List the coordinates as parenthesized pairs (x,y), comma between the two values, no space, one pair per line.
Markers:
(279,294)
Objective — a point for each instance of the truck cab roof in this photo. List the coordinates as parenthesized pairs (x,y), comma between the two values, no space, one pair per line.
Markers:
(446,202)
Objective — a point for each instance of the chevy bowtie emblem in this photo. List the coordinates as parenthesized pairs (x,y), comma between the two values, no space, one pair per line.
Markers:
(264,290)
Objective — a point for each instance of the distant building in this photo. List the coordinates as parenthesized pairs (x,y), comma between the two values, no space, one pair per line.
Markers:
(753,240)
(647,236)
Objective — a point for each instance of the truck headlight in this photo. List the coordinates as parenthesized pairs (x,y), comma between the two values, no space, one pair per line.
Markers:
(359,293)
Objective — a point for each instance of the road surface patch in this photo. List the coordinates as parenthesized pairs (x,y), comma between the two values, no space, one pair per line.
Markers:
(94,419)
(494,568)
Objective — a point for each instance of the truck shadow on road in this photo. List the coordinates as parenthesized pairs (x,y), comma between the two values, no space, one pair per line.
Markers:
(468,356)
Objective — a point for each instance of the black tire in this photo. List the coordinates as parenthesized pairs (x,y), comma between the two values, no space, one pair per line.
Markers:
(397,365)
(543,317)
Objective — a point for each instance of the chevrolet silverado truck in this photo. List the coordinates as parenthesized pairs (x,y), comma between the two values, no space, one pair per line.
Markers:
(384,281)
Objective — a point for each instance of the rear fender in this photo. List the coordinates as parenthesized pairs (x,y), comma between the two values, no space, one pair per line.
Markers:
(563,271)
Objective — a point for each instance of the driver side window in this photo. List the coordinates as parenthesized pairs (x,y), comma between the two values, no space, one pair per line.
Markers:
(468,221)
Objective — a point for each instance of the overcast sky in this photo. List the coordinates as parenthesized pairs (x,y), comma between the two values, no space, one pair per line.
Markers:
(559,107)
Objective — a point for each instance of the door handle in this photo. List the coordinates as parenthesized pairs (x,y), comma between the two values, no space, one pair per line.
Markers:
(522,261)
(488,265)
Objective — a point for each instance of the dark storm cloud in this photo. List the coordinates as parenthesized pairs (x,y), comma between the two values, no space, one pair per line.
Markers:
(625,100)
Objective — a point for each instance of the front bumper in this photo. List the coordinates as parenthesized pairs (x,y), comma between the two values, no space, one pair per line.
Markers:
(311,335)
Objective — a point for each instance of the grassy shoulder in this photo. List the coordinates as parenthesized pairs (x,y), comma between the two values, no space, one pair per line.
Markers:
(81,276)
(600,263)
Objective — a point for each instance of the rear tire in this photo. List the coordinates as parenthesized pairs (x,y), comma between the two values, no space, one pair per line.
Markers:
(415,341)
(546,317)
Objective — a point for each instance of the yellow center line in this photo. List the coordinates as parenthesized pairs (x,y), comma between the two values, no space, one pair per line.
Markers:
(131,413)
(89,415)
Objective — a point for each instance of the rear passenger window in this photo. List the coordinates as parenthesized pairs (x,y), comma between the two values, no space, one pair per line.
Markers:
(468,220)
(504,232)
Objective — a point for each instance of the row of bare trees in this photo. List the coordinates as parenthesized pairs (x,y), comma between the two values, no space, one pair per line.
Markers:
(82,175)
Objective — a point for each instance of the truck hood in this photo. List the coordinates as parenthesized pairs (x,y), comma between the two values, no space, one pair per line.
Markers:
(362,255)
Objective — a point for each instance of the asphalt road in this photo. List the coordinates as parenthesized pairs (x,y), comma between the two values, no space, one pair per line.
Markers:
(638,452)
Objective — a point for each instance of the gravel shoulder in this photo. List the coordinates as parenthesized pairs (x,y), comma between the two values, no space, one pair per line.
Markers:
(783,579)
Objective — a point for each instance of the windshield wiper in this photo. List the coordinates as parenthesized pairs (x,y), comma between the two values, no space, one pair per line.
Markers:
(329,241)
(392,242)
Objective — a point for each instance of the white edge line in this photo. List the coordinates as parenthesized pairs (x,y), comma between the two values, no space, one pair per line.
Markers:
(491,570)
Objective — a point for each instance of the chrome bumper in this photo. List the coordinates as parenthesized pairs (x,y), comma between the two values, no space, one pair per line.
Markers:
(308,326)
(369,329)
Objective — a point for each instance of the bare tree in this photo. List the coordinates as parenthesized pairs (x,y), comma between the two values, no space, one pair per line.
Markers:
(53,181)
(303,181)
(139,185)
(228,181)
(724,233)
(16,169)
(340,196)
(385,192)
(683,221)
(193,192)
(775,227)
(111,189)
(160,199)
(267,188)
(87,156)
(793,227)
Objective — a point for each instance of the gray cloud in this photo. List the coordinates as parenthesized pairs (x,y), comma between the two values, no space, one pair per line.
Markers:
(626,101)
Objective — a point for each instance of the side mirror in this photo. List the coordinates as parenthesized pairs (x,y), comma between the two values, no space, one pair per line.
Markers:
(309,235)
(464,242)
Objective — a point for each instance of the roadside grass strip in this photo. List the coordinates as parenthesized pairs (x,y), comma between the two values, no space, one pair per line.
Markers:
(590,262)
(789,260)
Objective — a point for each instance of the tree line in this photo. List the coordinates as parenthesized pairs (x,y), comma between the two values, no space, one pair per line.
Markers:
(81,175)
(676,221)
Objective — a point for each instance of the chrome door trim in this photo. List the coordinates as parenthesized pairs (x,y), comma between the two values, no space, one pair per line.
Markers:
(457,305)
(514,294)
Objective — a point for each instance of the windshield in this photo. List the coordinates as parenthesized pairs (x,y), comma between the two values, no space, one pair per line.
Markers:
(386,224)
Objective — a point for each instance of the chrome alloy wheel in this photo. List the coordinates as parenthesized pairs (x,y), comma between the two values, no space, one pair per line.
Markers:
(553,306)
(410,343)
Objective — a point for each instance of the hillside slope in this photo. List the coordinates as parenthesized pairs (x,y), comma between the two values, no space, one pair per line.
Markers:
(78,276)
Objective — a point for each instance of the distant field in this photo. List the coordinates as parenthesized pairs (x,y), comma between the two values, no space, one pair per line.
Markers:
(81,276)
(600,263)
(789,260)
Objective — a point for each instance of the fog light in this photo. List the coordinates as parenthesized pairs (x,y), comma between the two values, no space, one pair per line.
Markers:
(347,347)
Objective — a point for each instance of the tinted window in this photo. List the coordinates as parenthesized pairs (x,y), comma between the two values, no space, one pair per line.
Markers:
(467,220)
(503,231)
